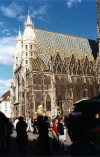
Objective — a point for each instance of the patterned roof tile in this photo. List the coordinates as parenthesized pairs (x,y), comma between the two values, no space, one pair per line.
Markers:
(64,42)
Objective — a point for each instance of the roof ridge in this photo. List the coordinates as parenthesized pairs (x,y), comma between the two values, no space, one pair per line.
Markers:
(63,34)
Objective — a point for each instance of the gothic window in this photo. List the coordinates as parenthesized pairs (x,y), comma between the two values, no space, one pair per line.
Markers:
(88,71)
(31,53)
(74,70)
(26,54)
(37,103)
(26,47)
(64,69)
(26,61)
(37,79)
(59,69)
(84,93)
(18,83)
(40,80)
(49,80)
(31,47)
(48,103)
(45,80)
(34,79)
(60,102)
(38,100)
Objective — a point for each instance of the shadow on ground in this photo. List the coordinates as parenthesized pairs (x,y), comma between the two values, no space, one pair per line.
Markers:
(32,149)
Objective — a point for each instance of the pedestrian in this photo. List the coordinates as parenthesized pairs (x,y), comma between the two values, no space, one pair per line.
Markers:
(29,125)
(15,123)
(21,127)
(3,130)
(55,133)
(34,126)
(60,129)
(9,128)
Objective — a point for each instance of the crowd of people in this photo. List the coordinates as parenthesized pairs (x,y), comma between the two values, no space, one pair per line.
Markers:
(38,126)
(80,130)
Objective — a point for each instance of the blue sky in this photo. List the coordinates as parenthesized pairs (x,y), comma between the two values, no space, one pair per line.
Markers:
(73,17)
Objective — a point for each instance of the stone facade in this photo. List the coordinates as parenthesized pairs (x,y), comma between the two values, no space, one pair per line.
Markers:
(53,70)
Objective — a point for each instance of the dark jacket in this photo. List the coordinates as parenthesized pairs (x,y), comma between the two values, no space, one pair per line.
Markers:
(60,129)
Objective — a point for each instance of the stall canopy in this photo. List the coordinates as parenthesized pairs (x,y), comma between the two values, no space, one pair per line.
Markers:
(88,105)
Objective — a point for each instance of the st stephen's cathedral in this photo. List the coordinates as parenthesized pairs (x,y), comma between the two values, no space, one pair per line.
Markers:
(53,70)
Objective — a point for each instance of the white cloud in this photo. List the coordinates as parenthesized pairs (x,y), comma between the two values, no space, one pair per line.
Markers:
(7,45)
(4,86)
(15,10)
(12,10)
(4,29)
(5,83)
(40,12)
(1,24)
(71,2)
(21,18)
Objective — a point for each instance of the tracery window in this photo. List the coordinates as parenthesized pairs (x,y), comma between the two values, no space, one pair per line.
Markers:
(38,100)
(48,103)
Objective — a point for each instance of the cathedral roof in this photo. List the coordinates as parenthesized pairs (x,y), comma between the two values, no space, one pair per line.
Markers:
(65,42)
(38,64)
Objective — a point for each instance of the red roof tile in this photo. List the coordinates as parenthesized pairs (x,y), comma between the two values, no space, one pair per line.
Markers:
(6,95)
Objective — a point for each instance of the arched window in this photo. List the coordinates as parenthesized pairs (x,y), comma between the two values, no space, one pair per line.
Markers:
(48,103)
(38,100)
(31,53)
(31,47)
(26,61)
(26,54)
(26,47)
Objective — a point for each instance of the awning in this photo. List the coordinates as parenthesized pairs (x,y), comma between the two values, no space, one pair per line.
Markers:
(16,103)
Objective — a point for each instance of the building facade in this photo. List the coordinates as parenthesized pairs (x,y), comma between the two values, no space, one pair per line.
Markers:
(53,70)
(5,105)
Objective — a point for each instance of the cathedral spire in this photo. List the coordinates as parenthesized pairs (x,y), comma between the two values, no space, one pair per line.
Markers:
(28,21)
(28,28)
(19,37)
(19,33)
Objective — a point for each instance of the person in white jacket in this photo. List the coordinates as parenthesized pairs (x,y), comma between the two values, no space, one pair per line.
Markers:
(29,125)
(15,123)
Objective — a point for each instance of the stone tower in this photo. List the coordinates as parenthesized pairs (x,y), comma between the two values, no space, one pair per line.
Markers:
(24,46)
(98,24)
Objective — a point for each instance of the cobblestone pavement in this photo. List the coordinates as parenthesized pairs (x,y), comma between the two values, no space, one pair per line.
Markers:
(32,149)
